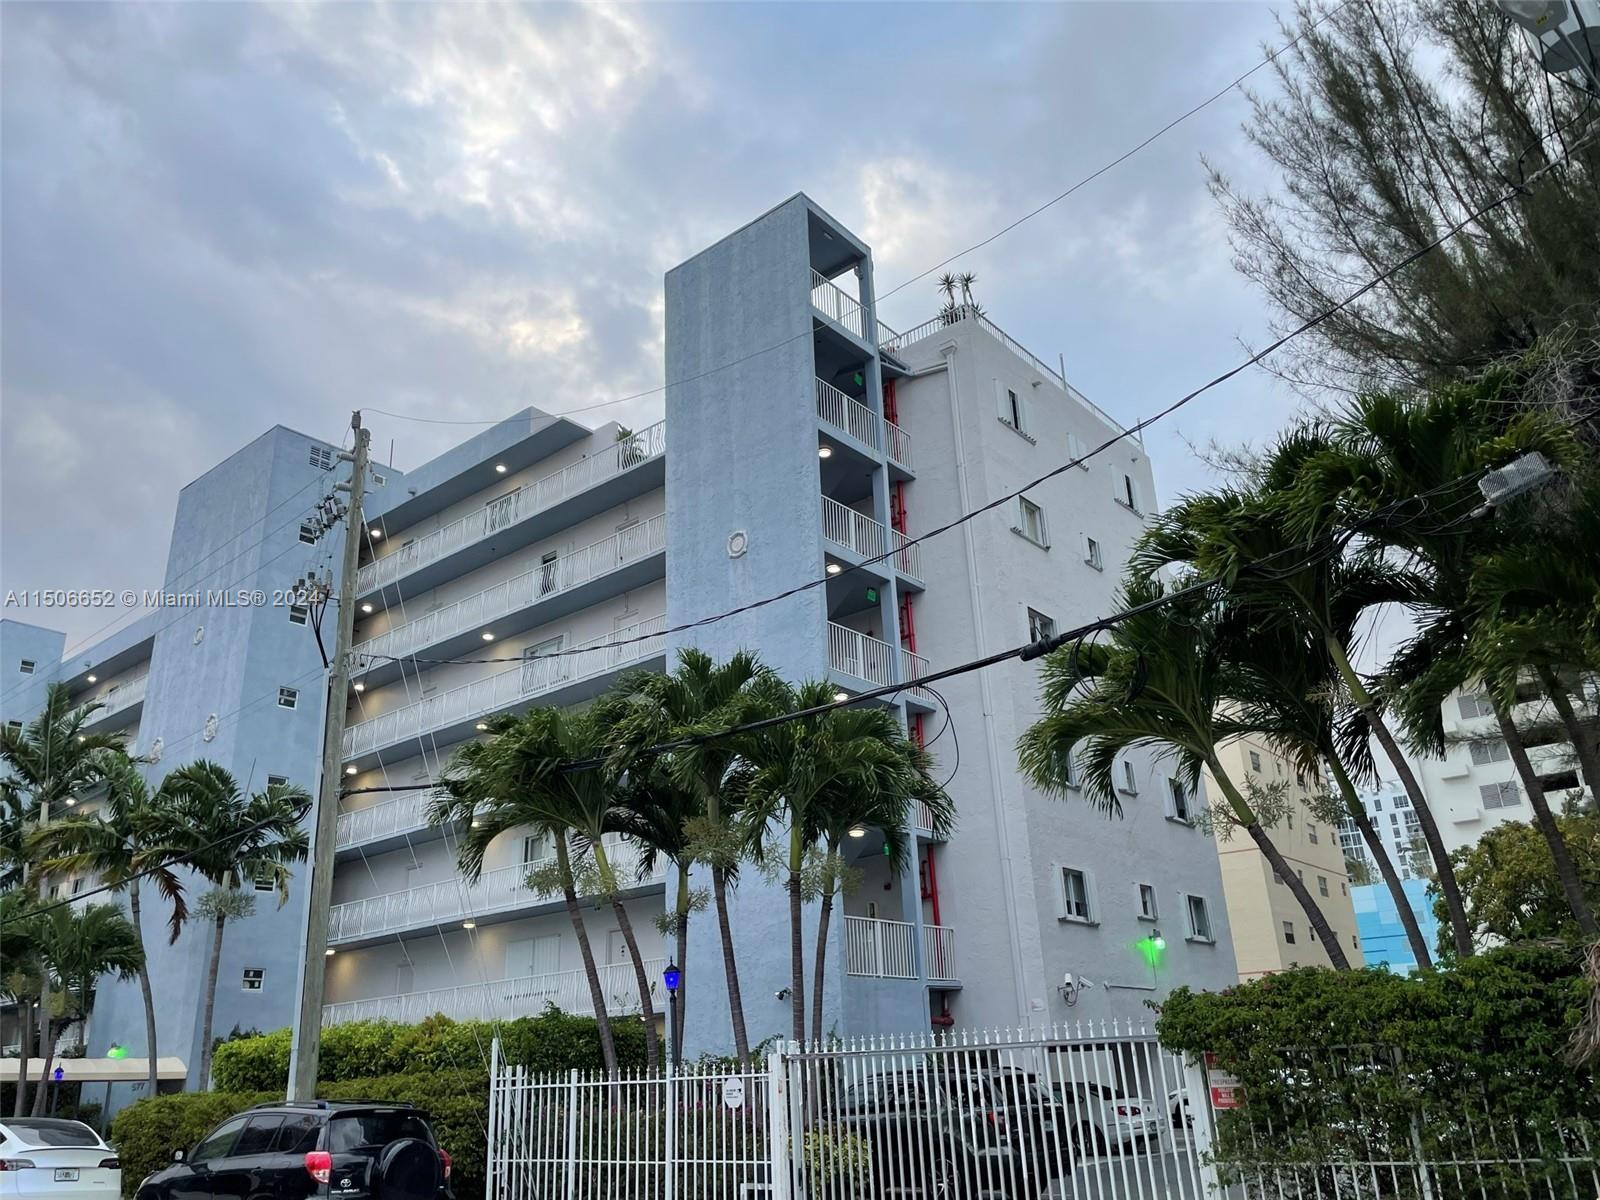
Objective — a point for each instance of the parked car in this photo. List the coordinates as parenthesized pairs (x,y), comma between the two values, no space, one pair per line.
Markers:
(355,1150)
(42,1158)
(1178,1106)
(1025,1099)
(1106,1118)
(936,1133)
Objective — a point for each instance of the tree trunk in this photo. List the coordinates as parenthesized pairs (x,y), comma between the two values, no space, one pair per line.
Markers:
(797,958)
(1380,857)
(647,1008)
(210,1010)
(679,1007)
(27,1028)
(818,978)
(1566,870)
(151,1083)
(1583,740)
(1444,870)
(730,966)
(597,996)
(41,1094)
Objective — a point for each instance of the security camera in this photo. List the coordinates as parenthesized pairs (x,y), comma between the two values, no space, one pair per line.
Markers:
(783,993)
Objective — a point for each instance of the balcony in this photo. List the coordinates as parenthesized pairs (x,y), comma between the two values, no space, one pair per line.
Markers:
(869,539)
(859,656)
(500,515)
(504,999)
(838,305)
(939,953)
(924,819)
(396,817)
(550,590)
(913,666)
(451,715)
(120,705)
(881,949)
(850,416)
(451,901)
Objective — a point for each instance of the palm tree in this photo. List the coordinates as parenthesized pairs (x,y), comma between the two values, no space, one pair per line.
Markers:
(1163,680)
(129,836)
(23,962)
(805,772)
(513,780)
(84,944)
(229,839)
(50,764)
(696,698)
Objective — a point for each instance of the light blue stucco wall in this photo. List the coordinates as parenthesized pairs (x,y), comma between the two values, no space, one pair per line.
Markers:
(1383,938)
(21,696)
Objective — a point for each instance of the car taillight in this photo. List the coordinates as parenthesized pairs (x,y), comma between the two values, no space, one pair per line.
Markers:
(444,1157)
(16,1164)
(319,1165)
(111,1164)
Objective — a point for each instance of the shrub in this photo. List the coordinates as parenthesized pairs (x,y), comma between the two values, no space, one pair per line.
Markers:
(552,1041)
(146,1132)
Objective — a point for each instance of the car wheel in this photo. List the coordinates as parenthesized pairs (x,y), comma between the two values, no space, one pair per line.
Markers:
(408,1170)
(1089,1139)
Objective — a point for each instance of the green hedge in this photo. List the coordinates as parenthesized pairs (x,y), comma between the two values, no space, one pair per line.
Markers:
(1346,1065)
(552,1041)
(146,1132)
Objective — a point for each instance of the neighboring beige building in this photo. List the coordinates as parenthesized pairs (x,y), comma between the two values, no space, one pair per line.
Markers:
(1269,928)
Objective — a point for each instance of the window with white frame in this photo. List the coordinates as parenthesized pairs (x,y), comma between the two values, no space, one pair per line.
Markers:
(1322,885)
(26,666)
(1077,895)
(1199,919)
(1129,495)
(1070,771)
(1500,795)
(1149,910)
(1180,806)
(1077,451)
(1013,406)
(1129,782)
(298,614)
(253,979)
(535,849)
(278,780)
(1040,626)
(1311,833)
(78,884)
(1255,761)
(1472,705)
(13,724)
(265,883)
(1030,521)
(1488,750)
(1092,554)
(1288,932)
(288,697)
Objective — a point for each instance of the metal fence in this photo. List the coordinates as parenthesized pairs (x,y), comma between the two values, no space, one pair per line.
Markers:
(1085,1112)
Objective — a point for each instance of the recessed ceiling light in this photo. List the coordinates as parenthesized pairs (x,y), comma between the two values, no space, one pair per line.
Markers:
(501,468)
(375,532)
(359,686)
(841,696)
(834,568)
(350,770)
(482,725)
(94,679)
(366,608)
(71,800)
(858,831)
(469,924)
(487,636)
(824,451)
(328,953)
(82,738)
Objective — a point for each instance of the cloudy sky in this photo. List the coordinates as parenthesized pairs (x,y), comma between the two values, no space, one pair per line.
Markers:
(222,216)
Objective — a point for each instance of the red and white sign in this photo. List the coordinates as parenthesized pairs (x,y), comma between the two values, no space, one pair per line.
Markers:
(1226,1090)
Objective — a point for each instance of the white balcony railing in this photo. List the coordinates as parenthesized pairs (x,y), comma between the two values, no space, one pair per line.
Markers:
(847,413)
(124,695)
(939,952)
(838,305)
(404,813)
(504,999)
(453,900)
(885,949)
(516,506)
(924,816)
(548,579)
(533,678)
(859,655)
(855,531)
(899,444)
(907,555)
(912,666)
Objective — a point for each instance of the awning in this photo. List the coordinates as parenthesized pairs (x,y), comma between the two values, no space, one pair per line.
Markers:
(97,1070)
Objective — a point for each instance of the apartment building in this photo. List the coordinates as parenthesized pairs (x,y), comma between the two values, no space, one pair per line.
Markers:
(1270,930)
(803,441)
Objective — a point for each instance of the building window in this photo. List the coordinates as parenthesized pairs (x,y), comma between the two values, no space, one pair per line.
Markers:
(1199,919)
(1130,783)
(1276,878)
(1255,761)
(277,780)
(1500,795)
(1070,762)
(265,883)
(1472,705)
(1489,750)
(1311,932)
(1013,409)
(298,614)
(379,480)
(77,885)
(1288,932)
(1092,553)
(1077,896)
(1311,833)
(1076,451)
(1129,498)
(1030,521)
(55,891)
(535,849)
(14,725)
(322,457)
(308,533)
(26,666)
(1148,909)
(254,977)
(1355,942)
(1179,807)
(1322,885)
(288,697)
(1403,800)
(1040,626)
(1342,890)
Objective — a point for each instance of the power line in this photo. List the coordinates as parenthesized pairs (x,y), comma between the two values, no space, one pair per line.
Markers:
(998,234)
(1137,428)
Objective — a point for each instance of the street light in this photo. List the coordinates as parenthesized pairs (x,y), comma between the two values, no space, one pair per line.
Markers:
(673,978)
(1567,33)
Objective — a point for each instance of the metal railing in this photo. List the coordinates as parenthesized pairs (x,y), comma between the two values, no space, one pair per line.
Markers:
(400,814)
(907,555)
(924,816)
(939,952)
(884,949)
(534,677)
(846,527)
(455,899)
(847,413)
(899,443)
(516,506)
(561,574)
(912,666)
(125,695)
(838,305)
(859,655)
(503,999)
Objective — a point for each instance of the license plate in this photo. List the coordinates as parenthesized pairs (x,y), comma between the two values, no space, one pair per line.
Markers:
(66,1174)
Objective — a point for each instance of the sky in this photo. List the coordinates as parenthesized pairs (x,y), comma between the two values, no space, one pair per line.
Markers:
(218,217)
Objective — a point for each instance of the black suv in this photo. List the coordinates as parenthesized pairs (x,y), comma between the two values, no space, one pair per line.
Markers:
(297,1150)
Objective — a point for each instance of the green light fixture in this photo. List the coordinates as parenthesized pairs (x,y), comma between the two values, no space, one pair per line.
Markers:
(117,1051)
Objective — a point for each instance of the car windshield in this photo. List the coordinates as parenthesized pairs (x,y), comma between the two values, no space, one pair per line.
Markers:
(45,1132)
(352,1131)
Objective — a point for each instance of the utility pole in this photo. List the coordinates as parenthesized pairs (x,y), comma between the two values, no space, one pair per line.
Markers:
(306,1042)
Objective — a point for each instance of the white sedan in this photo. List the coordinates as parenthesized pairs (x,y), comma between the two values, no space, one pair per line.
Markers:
(42,1158)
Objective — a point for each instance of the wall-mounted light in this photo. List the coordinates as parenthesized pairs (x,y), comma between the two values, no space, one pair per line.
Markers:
(375,533)
(469,924)
(350,770)
(94,679)
(834,568)
(858,831)
(501,468)
(841,696)
(487,636)
(367,608)
(359,686)
(824,451)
